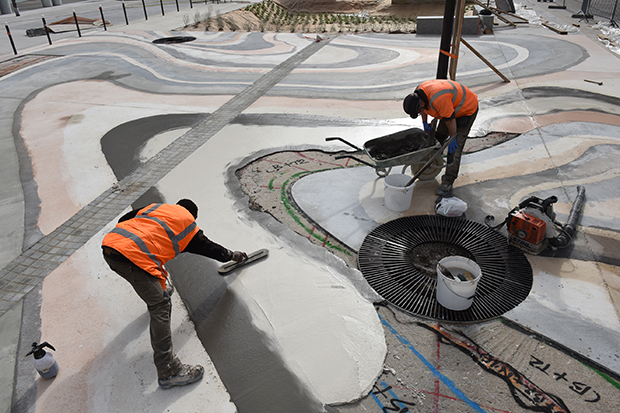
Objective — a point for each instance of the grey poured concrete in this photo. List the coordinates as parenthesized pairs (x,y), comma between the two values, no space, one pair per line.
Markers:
(343,216)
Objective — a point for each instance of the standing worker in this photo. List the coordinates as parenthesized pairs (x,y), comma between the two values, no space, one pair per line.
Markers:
(456,107)
(137,249)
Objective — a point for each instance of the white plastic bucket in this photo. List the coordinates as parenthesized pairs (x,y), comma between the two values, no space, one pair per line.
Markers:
(397,194)
(455,294)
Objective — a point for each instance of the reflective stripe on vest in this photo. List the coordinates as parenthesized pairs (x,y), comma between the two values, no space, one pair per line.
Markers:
(149,240)
(127,234)
(174,239)
(455,94)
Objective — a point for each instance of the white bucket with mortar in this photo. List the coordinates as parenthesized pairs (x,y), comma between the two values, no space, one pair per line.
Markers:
(397,193)
(455,294)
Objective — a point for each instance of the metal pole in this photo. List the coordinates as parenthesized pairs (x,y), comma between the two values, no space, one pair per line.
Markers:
(14,3)
(563,6)
(177,2)
(161,2)
(47,31)
(504,78)
(102,18)
(76,24)
(583,13)
(8,32)
(191,5)
(144,7)
(456,37)
(125,13)
(446,36)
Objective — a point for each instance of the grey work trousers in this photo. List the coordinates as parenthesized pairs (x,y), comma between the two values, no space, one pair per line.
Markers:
(463,126)
(150,291)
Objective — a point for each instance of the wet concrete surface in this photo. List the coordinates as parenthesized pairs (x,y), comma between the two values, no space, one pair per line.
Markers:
(251,368)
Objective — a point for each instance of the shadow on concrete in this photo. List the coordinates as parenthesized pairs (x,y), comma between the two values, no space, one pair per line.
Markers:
(247,359)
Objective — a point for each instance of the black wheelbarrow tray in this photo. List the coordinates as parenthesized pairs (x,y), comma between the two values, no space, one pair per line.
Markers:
(410,148)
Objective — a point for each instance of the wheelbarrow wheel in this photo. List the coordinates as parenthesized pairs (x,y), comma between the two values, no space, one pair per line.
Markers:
(430,173)
(382,172)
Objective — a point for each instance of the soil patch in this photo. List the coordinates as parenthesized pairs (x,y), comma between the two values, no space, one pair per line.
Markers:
(393,148)
(316,17)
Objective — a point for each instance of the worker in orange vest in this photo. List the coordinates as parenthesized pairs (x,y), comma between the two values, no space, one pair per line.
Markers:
(137,249)
(456,107)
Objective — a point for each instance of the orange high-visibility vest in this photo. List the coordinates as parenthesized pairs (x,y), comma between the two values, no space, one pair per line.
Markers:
(446,97)
(157,234)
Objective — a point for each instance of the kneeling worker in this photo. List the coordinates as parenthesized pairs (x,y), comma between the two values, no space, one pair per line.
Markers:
(456,107)
(137,249)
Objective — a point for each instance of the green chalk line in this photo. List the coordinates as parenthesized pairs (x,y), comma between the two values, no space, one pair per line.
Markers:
(291,211)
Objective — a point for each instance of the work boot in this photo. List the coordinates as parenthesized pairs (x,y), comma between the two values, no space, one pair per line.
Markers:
(187,375)
(444,190)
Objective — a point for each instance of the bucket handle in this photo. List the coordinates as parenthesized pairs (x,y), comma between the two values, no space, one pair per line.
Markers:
(458,295)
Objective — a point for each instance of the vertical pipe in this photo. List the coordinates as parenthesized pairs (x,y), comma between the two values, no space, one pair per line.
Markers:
(144,7)
(191,5)
(161,3)
(102,18)
(8,32)
(76,24)
(14,3)
(177,2)
(125,13)
(446,36)
(456,37)
(47,31)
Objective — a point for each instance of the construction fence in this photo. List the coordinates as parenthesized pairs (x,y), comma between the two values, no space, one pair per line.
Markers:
(607,9)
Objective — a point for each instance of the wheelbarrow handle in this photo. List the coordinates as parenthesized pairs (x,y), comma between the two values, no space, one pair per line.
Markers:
(336,138)
(357,159)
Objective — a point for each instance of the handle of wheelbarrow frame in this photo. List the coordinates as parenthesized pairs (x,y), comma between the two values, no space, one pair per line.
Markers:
(336,138)
(357,159)
(430,161)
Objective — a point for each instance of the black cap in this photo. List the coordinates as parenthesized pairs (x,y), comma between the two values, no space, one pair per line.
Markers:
(411,105)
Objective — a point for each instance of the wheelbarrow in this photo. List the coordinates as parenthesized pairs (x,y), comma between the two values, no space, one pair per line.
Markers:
(412,148)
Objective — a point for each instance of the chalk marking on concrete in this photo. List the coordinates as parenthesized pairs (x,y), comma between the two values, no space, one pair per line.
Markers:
(432,368)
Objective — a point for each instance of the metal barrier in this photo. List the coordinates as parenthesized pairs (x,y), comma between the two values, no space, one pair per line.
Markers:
(46,30)
(607,9)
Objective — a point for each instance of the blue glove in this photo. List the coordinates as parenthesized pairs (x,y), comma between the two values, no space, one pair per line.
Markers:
(427,128)
(454,145)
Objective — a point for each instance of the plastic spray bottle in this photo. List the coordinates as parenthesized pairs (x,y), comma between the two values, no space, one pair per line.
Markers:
(44,361)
